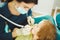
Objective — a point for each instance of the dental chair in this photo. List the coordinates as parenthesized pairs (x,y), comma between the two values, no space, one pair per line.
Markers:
(58,25)
(45,17)
(57,22)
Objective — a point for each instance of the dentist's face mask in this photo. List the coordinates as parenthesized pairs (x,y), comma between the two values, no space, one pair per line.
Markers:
(21,10)
(23,7)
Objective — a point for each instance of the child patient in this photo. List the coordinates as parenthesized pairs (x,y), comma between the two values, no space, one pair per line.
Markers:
(45,30)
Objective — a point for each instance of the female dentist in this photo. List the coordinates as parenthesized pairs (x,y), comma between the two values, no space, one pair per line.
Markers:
(14,10)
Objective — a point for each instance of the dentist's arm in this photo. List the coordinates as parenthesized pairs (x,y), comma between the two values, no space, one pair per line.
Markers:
(3,34)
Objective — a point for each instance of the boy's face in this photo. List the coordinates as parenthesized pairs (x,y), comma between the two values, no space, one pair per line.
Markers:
(36,29)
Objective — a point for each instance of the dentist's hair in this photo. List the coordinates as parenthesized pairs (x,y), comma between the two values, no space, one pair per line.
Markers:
(26,1)
(47,31)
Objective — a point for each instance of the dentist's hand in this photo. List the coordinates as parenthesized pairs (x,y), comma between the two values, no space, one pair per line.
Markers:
(14,34)
(26,30)
(30,20)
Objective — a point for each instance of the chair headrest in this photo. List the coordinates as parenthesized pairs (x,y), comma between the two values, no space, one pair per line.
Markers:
(58,18)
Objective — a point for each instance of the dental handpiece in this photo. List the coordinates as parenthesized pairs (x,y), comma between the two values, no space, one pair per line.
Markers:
(18,25)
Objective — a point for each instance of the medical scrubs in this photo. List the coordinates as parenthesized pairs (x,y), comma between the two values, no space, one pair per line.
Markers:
(21,19)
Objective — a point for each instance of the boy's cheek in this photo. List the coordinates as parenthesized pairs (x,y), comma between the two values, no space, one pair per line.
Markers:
(34,30)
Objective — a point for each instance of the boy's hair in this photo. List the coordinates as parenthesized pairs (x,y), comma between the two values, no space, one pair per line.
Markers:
(26,1)
(47,31)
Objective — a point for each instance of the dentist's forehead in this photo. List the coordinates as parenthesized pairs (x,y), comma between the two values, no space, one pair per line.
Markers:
(29,5)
